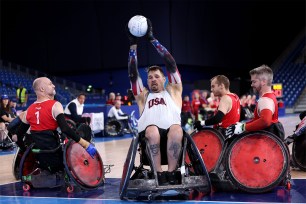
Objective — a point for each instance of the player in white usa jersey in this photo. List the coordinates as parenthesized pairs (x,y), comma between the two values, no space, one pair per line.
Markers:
(159,107)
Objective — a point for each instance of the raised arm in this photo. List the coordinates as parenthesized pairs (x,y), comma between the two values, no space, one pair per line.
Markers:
(138,89)
(172,71)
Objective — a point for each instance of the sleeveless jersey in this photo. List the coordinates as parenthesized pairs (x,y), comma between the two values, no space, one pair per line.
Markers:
(233,115)
(40,117)
(275,115)
(159,110)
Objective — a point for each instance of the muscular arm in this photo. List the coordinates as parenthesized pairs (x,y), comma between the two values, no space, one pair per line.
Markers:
(58,114)
(266,111)
(262,122)
(138,89)
(172,71)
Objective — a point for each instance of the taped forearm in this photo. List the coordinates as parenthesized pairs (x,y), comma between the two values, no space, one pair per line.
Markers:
(136,82)
(215,119)
(172,71)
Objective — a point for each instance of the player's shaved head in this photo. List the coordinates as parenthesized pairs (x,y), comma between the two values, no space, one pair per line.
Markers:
(38,83)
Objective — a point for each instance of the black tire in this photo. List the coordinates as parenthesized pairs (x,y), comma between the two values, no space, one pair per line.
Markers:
(299,152)
(128,167)
(114,128)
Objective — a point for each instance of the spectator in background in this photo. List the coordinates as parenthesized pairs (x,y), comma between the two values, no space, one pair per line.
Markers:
(13,104)
(111,99)
(186,113)
(74,110)
(196,104)
(116,112)
(21,96)
(119,98)
(6,116)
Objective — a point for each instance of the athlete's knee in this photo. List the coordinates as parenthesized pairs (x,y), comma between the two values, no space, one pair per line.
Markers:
(175,133)
(152,133)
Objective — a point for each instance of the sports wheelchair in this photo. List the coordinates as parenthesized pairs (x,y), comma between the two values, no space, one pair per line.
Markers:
(79,168)
(114,127)
(140,182)
(254,162)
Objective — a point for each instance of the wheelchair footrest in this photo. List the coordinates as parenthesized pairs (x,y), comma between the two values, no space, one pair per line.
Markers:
(150,184)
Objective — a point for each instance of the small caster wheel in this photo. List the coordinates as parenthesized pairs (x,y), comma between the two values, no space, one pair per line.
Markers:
(288,185)
(26,187)
(70,189)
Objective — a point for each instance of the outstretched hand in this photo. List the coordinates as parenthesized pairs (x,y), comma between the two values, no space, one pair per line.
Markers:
(236,129)
(149,33)
(91,149)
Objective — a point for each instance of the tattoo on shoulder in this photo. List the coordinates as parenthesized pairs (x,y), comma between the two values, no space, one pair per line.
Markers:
(154,149)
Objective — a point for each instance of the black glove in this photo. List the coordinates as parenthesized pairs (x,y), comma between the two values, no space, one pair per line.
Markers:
(197,125)
(149,33)
(230,131)
(132,39)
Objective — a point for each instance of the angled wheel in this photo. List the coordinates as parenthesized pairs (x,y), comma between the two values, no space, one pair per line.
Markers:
(82,169)
(257,162)
(299,152)
(209,143)
(128,167)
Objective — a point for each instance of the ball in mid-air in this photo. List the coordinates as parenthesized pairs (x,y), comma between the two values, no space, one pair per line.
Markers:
(138,25)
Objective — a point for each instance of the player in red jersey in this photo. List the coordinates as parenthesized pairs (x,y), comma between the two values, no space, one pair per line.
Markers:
(266,110)
(228,110)
(43,117)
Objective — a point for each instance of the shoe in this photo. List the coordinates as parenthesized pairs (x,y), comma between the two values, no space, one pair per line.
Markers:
(171,177)
(162,178)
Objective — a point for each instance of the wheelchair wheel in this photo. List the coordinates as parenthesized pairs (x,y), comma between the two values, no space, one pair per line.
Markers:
(128,168)
(16,163)
(114,128)
(82,169)
(28,163)
(197,164)
(299,152)
(209,143)
(85,132)
(257,162)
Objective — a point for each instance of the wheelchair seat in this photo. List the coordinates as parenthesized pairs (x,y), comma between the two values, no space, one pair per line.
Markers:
(140,182)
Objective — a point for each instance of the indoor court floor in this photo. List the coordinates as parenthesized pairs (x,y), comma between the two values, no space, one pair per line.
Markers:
(113,152)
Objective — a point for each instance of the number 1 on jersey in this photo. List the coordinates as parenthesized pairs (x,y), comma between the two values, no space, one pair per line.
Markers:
(37,117)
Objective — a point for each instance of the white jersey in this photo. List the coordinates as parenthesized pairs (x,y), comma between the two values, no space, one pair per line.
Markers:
(159,110)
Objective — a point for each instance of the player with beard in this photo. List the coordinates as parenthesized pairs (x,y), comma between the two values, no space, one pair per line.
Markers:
(159,107)
(266,110)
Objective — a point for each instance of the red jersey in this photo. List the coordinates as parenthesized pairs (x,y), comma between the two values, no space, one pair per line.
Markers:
(196,103)
(39,116)
(275,115)
(186,106)
(233,115)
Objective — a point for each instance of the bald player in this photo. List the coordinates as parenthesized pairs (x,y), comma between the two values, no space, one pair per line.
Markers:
(43,117)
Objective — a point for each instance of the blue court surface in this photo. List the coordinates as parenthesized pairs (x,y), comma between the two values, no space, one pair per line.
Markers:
(109,193)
